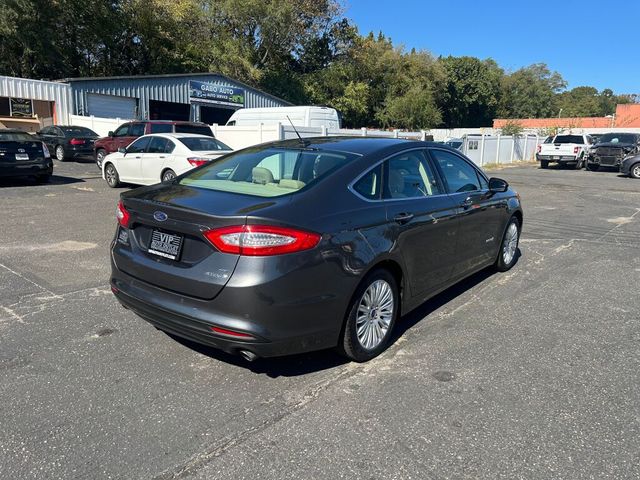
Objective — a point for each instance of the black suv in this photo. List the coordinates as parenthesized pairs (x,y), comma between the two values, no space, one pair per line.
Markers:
(612,149)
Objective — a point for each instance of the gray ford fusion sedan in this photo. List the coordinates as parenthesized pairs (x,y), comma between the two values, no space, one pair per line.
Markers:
(308,244)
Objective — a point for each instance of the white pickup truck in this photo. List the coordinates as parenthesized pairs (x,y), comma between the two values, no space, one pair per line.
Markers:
(564,149)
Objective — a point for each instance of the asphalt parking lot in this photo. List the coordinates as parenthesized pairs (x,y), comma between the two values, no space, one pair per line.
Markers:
(534,373)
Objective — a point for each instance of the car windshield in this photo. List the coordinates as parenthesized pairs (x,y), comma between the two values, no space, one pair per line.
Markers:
(78,131)
(197,129)
(16,137)
(569,139)
(618,138)
(201,144)
(267,172)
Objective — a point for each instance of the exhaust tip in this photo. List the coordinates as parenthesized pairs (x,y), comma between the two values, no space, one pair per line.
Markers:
(248,356)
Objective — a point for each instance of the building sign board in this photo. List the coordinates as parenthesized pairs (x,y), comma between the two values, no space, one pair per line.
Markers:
(202,92)
(21,107)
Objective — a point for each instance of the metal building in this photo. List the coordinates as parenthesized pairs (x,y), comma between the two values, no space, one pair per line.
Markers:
(30,104)
(206,97)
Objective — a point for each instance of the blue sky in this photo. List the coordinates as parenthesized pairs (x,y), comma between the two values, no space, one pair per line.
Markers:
(588,42)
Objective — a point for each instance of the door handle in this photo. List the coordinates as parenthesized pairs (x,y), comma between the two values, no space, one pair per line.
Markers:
(161,156)
(403,218)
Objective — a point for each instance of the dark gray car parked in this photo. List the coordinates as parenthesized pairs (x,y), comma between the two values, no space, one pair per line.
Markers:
(309,244)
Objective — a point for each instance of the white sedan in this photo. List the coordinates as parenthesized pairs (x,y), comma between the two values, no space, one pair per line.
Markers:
(160,157)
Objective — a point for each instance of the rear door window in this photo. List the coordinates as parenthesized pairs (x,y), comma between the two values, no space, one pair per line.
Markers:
(136,130)
(409,175)
(157,145)
(161,128)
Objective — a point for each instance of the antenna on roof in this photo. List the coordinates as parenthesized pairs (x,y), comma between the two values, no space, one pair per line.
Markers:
(302,142)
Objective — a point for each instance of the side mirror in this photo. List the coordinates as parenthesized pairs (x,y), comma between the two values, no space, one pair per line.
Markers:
(110,134)
(497,185)
(122,150)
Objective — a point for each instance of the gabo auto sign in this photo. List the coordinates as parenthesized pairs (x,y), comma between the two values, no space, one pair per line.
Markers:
(201,92)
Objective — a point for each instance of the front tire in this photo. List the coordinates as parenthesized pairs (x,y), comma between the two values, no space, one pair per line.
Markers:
(111,175)
(507,255)
(60,153)
(370,317)
(634,171)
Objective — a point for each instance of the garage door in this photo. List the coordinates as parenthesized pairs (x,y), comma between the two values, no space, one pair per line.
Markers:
(109,106)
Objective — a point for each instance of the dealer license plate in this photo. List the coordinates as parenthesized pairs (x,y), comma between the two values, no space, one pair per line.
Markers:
(165,245)
(22,156)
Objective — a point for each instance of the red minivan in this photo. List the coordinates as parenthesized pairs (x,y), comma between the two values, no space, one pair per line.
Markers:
(128,132)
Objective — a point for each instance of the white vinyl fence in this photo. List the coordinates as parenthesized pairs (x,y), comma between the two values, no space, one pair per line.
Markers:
(482,149)
(500,149)
(102,126)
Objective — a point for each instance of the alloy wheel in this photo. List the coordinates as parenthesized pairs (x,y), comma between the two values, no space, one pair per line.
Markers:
(635,171)
(510,244)
(60,153)
(111,175)
(374,315)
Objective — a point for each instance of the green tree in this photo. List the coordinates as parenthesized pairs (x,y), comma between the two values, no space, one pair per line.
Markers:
(530,92)
(471,91)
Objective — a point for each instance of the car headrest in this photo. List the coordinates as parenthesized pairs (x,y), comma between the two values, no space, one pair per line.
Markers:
(261,175)
(396,184)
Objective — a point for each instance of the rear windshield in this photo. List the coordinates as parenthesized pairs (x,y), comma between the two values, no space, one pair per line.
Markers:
(267,172)
(79,131)
(200,144)
(16,137)
(618,138)
(569,139)
(197,129)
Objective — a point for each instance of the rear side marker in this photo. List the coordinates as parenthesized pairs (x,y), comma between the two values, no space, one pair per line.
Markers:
(230,333)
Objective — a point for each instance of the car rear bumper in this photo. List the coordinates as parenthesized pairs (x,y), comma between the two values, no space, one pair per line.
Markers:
(557,158)
(26,169)
(278,327)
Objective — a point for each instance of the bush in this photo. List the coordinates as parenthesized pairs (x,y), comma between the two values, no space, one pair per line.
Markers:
(512,127)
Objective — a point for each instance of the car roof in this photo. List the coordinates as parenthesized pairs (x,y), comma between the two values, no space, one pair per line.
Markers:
(169,122)
(358,145)
(177,135)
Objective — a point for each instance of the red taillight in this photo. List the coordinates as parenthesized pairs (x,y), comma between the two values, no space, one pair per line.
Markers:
(122,215)
(198,161)
(539,148)
(576,150)
(261,240)
(231,333)
(76,141)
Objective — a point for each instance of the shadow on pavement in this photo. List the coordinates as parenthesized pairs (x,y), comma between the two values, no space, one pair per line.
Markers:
(31,182)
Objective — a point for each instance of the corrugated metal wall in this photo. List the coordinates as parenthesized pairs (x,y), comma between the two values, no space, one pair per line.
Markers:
(166,89)
(57,92)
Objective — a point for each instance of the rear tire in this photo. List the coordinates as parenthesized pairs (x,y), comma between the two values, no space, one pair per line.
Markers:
(100,154)
(579,163)
(59,150)
(167,176)
(370,318)
(111,175)
(634,171)
(544,163)
(508,253)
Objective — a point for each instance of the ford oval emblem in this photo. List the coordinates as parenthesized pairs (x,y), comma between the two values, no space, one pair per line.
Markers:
(160,216)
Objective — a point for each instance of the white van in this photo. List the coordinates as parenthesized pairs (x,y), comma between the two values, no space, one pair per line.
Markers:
(300,116)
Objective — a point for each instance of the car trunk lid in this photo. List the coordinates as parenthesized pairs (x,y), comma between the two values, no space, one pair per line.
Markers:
(17,152)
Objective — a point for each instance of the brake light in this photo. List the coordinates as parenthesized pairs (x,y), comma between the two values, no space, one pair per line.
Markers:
(45,150)
(576,150)
(261,240)
(76,141)
(539,148)
(198,161)
(122,215)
